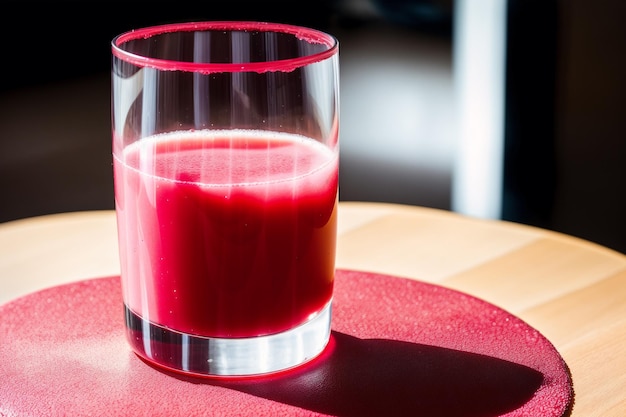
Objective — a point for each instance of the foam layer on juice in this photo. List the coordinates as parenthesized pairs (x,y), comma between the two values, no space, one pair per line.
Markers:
(227,157)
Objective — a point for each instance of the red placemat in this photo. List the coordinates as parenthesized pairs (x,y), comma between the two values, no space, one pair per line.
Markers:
(399,347)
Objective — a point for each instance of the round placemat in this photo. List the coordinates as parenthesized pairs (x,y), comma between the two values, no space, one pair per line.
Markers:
(399,347)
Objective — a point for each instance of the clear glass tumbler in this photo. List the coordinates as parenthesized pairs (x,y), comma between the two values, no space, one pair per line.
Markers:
(226,153)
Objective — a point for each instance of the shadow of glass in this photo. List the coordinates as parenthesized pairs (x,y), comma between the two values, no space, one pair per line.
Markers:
(374,377)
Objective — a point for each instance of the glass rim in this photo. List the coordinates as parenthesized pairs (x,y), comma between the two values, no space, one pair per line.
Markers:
(310,35)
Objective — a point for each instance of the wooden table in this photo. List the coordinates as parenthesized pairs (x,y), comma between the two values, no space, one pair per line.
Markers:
(572,291)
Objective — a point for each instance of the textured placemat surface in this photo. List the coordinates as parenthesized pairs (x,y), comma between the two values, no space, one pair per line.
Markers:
(399,347)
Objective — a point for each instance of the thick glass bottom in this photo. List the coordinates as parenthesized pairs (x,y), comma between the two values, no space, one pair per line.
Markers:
(209,356)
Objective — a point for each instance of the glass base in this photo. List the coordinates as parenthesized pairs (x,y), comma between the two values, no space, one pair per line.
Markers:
(209,356)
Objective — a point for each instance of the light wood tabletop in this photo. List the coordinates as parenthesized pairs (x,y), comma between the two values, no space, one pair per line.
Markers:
(571,290)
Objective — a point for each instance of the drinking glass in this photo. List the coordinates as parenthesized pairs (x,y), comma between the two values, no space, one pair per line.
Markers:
(225,153)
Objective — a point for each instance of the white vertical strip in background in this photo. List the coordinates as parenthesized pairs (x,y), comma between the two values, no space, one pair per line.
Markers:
(479,53)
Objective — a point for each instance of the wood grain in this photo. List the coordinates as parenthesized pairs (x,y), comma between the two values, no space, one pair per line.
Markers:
(571,290)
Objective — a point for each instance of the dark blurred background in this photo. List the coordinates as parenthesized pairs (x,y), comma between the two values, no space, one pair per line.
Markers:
(564,140)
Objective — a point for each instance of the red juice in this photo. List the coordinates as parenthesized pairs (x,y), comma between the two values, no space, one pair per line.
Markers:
(227,233)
